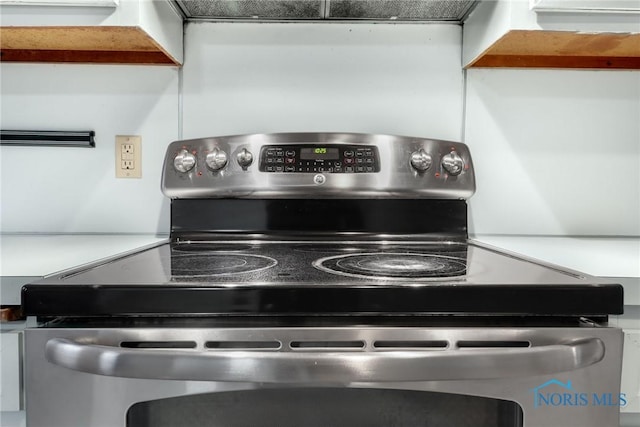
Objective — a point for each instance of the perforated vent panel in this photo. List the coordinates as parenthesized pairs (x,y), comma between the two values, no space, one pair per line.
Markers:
(396,10)
(260,9)
(450,10)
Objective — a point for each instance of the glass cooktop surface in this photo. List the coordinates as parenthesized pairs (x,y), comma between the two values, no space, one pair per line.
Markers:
(263,277)
(319,264)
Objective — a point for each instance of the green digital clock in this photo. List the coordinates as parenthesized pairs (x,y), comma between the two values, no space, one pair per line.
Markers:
(319,153)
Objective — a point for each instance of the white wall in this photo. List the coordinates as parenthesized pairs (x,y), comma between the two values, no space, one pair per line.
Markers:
(70,190)
(255,78)
(556,152)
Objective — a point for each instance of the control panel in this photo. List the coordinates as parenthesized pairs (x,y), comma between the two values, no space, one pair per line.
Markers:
(317,165)
(319,158)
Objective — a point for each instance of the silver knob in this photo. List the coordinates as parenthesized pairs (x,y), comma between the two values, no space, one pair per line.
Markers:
(420,160)
(216,159)
(184,161)
(245,158)
(452,163)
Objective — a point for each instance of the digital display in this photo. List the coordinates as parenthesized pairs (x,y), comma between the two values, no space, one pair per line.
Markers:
(312,158)
(319,153)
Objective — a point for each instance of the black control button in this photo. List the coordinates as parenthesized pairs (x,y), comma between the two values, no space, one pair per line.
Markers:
(336,164)
(348,169)
(338,169)
(270,169)
(290,160)
(369,169)
(290,153)
(280,160)
(349,161)
(359,160)
(369,160)
(279,168)
(280,153)
(360,169)
(290,169)
(360,153)
(348,153)
(368,153)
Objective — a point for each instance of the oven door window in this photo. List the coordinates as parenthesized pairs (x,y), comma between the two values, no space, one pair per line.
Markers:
(326,407)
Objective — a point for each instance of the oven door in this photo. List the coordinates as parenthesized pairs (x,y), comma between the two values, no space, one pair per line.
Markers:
(347,376)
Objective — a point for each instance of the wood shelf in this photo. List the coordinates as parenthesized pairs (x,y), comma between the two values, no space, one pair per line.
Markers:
(94,44)
(562,49)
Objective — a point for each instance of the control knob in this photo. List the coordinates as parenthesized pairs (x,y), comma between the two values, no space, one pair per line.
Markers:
(452,163)
(184,161)
(420,160)
(245,158)
(216,159)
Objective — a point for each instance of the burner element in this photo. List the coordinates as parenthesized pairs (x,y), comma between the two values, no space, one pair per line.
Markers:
(393,266)
(218,264)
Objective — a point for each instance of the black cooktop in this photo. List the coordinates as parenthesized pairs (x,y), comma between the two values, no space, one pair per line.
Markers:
(332,277)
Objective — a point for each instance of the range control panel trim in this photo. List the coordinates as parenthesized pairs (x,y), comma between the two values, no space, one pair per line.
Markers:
(317,165)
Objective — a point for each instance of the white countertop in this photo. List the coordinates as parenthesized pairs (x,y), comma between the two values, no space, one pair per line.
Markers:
(597,256)
(42,254)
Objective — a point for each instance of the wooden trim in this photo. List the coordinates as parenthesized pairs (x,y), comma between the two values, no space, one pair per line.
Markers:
(84,56)
(113,45)
(550,61)
(562,49)
(11,313)
(160,48)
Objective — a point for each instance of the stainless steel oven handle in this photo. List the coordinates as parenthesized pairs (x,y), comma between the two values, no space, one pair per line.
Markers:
(295,367)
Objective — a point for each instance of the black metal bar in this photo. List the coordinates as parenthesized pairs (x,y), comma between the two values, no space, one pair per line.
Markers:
(48,138)
(171,300)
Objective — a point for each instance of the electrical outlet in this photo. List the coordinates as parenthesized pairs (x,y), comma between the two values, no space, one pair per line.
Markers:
(128,156)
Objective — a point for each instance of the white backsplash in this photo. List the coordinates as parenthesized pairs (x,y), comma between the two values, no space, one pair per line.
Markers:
(557,152)
(74,190)
(255,78)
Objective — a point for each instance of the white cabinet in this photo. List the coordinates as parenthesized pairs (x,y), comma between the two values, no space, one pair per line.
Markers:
(602,34)
(588,6)
(118,31)
(630,381)
(11,370)
(81,3)
(630,385)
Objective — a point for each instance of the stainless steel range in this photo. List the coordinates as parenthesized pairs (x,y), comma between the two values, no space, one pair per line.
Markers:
(321,279)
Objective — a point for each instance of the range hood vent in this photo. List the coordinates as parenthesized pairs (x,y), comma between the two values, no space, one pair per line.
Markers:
(327,10)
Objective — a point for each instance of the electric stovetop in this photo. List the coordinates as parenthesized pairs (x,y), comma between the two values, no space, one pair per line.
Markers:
(321,277)
(344,224)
